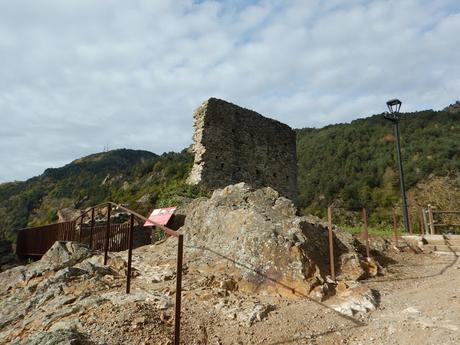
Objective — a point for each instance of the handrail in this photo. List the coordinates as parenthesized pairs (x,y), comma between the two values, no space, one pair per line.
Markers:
(170,232)
(162,227)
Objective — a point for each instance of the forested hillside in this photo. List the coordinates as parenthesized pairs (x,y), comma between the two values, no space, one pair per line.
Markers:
(354,165)
(139,179)
(347,165)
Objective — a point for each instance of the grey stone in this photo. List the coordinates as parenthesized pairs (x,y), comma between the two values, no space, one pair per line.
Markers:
(232,144)
(57,337)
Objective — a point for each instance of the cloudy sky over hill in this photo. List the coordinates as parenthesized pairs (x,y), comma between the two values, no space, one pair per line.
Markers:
(76,76)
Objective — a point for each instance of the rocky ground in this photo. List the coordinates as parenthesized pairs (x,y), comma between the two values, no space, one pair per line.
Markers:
(77,300)
(254,273)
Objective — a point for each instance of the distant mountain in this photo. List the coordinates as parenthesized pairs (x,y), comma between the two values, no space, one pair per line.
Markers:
(140,179)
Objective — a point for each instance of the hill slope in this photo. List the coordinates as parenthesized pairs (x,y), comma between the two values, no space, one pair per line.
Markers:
(140,179)
(354,165)
(349,165)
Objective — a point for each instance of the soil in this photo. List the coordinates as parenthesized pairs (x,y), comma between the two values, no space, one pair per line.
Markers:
(419,304)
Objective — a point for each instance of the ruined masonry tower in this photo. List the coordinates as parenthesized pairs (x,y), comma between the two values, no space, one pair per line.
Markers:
(232,144)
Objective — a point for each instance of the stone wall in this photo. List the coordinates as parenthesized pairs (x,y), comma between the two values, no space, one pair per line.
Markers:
(232,144)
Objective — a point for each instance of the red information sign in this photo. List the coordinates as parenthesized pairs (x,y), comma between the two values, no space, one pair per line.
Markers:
(160,216)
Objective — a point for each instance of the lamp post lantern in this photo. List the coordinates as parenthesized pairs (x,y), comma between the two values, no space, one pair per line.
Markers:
(394,116)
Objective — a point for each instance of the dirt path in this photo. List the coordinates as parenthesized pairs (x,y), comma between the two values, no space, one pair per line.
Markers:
(420,304)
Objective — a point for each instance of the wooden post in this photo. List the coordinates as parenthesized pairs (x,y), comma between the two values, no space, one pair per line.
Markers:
(395,227)
(366,231)
(430,216)
(420,220)
(409,221)
(425,221)
(331,242)
(107,233)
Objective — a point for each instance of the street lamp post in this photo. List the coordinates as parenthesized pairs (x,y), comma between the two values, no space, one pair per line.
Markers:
(394,116)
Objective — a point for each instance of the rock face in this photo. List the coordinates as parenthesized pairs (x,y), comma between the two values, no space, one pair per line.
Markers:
(257,233)
(453,108)
(67,214)
(69,295)
(232,144)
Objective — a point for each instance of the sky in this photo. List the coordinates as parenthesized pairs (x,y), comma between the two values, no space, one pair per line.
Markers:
(79,75)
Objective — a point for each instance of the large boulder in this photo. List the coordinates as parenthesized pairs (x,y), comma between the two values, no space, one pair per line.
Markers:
(257,235)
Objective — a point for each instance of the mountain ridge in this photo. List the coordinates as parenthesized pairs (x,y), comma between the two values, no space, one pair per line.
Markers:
(350,165)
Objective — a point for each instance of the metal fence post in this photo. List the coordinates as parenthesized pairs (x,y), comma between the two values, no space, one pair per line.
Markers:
(366,231)
(180,254)
(81,229)
(107,233)
(130,253)
(331,242)
(92,229)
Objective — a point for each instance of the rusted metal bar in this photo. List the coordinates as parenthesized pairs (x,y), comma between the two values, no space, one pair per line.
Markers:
(68,231)
(107,233)
(395,227)
(167,230)
(366,232)
(130,253)
(180,254)
(331,242)
(92,229)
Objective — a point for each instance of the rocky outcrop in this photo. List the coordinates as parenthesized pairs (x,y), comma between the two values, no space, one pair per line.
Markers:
(257,234)
(68,296)
(68,214)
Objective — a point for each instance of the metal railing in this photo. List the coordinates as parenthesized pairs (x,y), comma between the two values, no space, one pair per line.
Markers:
(431,224)
(36,241)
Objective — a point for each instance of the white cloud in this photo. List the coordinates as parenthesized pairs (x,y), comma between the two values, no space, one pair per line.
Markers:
(78,75)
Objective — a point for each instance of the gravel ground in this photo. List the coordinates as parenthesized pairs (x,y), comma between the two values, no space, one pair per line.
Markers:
(419,304)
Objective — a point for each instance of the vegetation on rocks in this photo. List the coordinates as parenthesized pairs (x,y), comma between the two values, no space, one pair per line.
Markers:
(138,179)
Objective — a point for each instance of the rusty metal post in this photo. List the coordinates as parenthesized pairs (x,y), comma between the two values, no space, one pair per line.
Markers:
(130,254)
(331,242)
(180,254)
(107,233)
(430,217)
(92,229)
(81,229)
(395,227)
(366,231)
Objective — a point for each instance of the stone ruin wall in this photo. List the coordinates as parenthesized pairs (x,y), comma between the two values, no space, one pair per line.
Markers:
(232,144)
